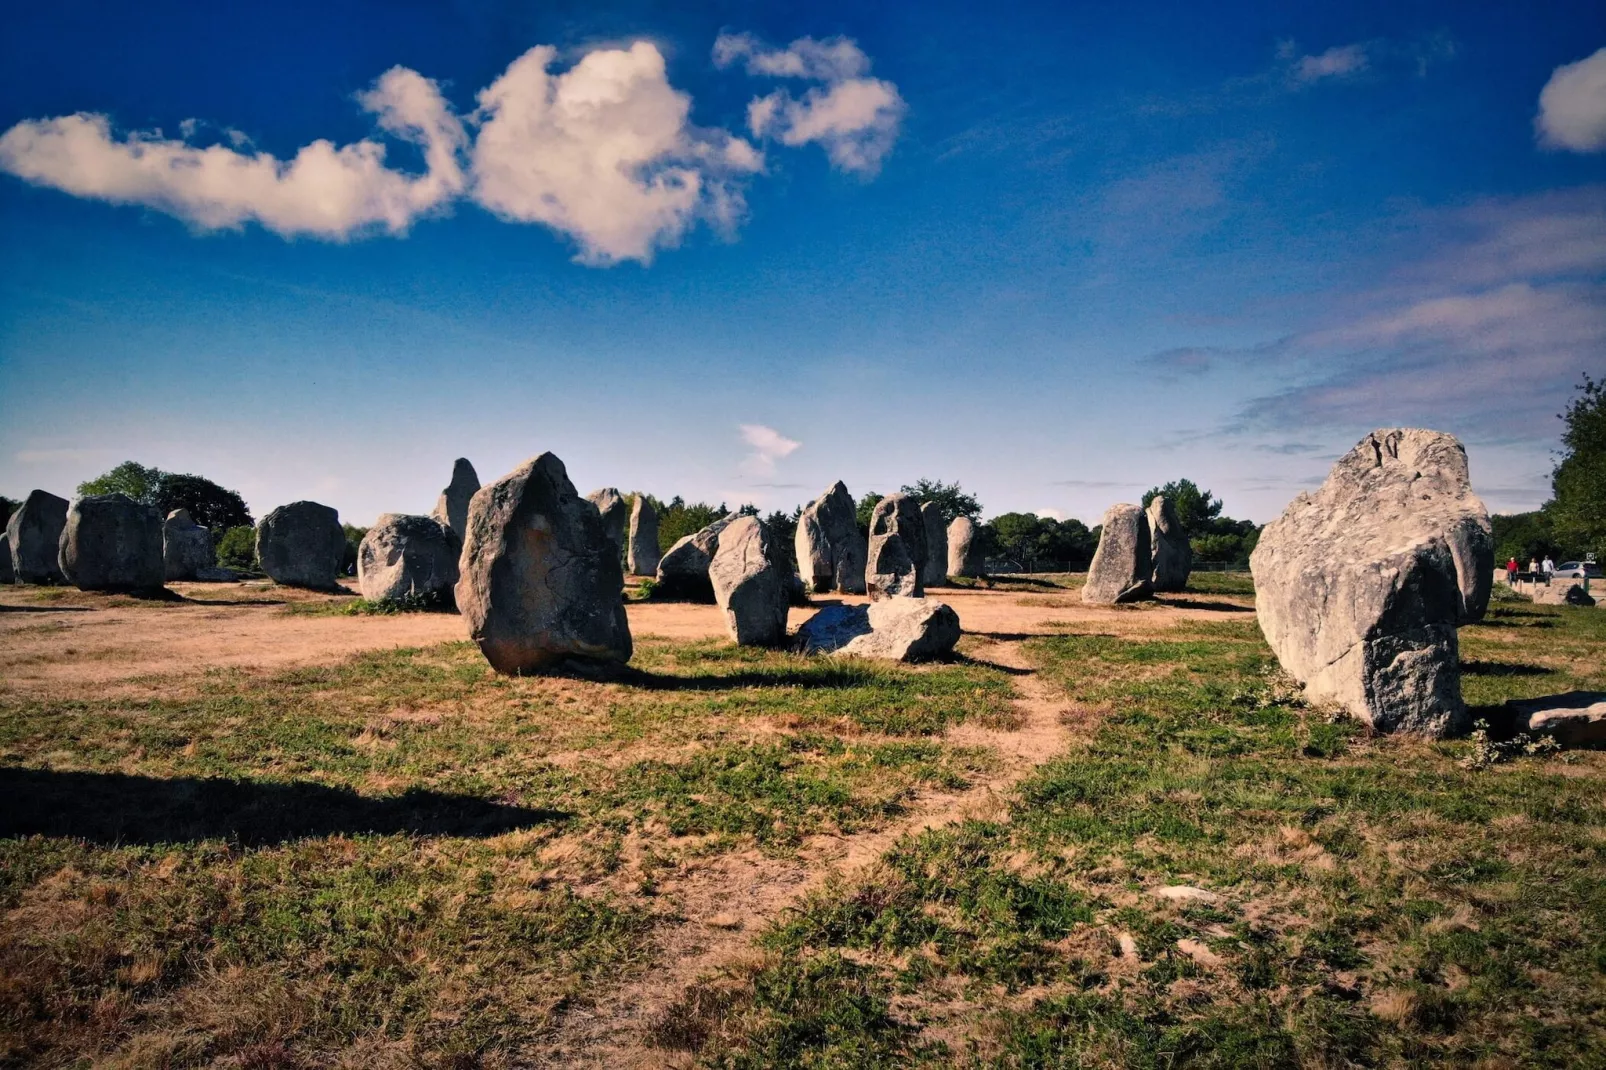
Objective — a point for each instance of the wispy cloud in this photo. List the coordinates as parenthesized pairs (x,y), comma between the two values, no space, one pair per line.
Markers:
(768,446)
(1572,106)
(1340,61)
(853,116)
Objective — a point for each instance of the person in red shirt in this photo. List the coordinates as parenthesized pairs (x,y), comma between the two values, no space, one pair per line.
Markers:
(1511,571)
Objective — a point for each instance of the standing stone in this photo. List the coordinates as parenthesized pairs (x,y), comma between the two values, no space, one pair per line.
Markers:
(302,545)
(540,583)
(8,575)
(897,549)
(406,556)
(1121,565)
(831,553)
(615,515)
(964,548)
(110,542)
(935,572)
(748,586)
(683,570)
(1360,586)
(186,546)
(34,535)
(451,508)
(1173,556)
(641,546)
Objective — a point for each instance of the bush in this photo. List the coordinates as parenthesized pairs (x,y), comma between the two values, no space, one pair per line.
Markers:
(238,548)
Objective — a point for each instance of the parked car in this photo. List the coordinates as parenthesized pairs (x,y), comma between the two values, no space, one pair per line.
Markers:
(1577,570)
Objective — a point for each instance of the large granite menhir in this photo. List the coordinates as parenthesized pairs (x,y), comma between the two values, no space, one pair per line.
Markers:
(641,549)
(748,586)
(1360,586)
(615,513)
(965,556)
(452,507)
(302,545)
(187,549)
(541,584)
(33,535)
(1122,565)
(1168,541)
(110,542)
(897,549)
(683,570)
(934,571)
(405,556)
(830,550)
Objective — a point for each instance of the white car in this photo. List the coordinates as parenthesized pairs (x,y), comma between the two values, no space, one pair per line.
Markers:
(1577,570)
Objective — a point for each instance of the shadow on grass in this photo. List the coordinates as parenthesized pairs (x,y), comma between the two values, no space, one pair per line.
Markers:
(44,609)
(115,808)
(1503,668)
(1007,670)
(235,601)
(1194,603)
(820,679)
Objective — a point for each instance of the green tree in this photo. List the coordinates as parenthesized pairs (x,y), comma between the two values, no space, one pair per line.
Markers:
(1578,485)
(1040,543)
(1524,536)
(1196,509)
(866,509)
(677,520)
(950,498)
(783,536)
(209,505)
(130,478)
(238,548)
(348,560)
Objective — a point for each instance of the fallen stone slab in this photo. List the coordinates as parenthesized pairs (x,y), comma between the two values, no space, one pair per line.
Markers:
(893,629)
(1574,719)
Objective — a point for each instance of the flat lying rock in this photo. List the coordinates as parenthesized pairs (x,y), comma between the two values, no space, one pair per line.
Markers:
(451,508)
(830,551)
(1122,565)
(964,548)
(302,545)
(1575,719)
(1360,586)
(683,570)
(34,536)
(186,546)
(1169,546)
(541,584)
(112,543)
(615,513)
(894,629)
(748,587)
(406,556)
(897,549)
(641,550)
(935,571)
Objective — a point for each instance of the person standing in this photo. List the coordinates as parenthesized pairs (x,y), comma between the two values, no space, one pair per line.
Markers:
(1547,567)
(1511,572)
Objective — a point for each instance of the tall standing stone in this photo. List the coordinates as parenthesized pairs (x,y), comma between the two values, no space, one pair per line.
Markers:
(641,551)
(748,586)
(1173,556)
(451,508)
(897,549)
(615,515)
(935,570)
(683,570)
(406,556)
(110,542)
(1122,564)
(541,583)
(964,548)
(831,552)
(1360,586)
(186,546)
(34,536)
(302,545)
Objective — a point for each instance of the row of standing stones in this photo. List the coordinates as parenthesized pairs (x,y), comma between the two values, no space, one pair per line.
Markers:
(1360,586)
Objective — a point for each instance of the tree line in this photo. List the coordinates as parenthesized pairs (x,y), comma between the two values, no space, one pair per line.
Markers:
(1572,524)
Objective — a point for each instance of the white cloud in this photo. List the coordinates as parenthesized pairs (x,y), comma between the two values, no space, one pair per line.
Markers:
(1050,514)
(1337,62)
(604,153)
(1572,106)
(853,116)
(768,446)
(324,191)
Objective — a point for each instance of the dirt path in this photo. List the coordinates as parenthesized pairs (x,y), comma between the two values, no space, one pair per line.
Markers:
(718,908)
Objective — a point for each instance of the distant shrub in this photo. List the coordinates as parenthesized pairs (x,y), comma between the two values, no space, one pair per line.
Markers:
(238,548)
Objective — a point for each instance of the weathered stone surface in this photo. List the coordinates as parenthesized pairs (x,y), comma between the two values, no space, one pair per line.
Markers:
(934,572)
(683,570)
(964,548)
(897,549)
(748,587)
(615,513)
(899,629)
(830,550)
(112,543)
(1360,586)
(8,574)
(1575,595)
(540,583)
(641,550)
(1122,564)
(34,536)
(406,556)
(1577,718)
(186,546)
(1169,546)
(451,508)
(302,545)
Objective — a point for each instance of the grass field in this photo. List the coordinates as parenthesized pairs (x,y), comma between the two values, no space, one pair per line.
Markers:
(402,859)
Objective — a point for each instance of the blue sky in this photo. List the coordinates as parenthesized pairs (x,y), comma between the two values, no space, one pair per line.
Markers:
(1059,253)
